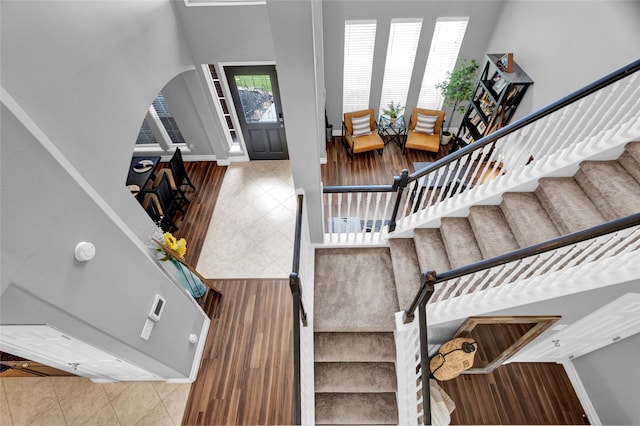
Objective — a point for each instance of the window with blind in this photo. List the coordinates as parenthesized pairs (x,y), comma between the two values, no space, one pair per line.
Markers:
(443,55)
(359,43)
(166,118)
(401,54)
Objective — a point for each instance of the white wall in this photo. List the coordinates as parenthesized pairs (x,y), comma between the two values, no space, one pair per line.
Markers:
(84,74)
(612,381)
(482,18)
(292,31)
(565,45)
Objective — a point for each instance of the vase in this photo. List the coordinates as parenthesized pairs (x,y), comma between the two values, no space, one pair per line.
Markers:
(189,280)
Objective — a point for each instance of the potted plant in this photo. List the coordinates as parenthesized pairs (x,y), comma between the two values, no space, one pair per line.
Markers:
(457,89)
(393,110)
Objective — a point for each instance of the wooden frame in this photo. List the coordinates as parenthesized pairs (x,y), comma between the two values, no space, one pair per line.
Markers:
(541,323)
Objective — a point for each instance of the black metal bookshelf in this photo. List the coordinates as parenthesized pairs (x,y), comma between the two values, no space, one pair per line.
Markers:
(495,99)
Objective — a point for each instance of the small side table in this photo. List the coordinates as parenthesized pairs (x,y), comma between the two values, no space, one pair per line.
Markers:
(396,132)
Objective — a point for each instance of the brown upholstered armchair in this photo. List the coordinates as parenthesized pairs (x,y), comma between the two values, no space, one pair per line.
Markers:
(359,132)
(428,134)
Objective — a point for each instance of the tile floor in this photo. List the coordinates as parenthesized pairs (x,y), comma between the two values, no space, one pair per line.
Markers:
(251,231)
(250,236)
(53,401)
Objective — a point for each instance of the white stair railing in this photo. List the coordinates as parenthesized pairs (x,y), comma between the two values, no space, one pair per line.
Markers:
(593,122)
(591,259)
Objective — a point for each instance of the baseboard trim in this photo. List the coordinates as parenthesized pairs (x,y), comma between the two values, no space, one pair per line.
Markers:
(581,392)
(206,157)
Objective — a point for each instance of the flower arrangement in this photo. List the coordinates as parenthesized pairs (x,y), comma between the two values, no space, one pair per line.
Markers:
(179,246)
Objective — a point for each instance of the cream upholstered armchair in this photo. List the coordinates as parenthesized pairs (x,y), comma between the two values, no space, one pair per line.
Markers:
(425,130)
(359,132)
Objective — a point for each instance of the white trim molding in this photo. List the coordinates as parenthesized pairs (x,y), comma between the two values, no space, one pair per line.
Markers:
(192,3)
(581,392)
(195,367)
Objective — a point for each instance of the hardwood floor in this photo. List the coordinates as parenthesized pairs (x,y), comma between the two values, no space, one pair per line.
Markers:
(207,178)
(518,394)
(370,167)
(245,376)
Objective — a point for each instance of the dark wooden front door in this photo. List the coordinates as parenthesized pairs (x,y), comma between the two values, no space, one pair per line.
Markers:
(257,101)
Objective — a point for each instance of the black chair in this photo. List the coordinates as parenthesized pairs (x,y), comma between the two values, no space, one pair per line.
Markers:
(180,176)
(167,198)
(151,205)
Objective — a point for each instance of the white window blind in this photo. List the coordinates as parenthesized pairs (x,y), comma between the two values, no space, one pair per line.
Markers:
(443,54)
(359,43)
(401,54)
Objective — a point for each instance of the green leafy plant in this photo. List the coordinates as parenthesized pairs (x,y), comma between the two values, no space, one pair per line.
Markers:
(393,110)
(457,89)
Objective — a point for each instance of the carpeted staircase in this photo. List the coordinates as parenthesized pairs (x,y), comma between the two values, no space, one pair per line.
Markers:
(600,191)
(354,306)
(358,290)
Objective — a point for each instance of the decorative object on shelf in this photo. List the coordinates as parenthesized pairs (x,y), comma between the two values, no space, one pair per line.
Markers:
(494,99)
(505,63)
(174,250)
(393,110)
(177,246)
(457,88)
(453,357)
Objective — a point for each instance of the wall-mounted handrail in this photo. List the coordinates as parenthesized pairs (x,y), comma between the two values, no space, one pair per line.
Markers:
(299,313)
(431,278)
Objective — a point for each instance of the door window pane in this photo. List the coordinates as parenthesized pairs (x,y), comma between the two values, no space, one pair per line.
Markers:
(219,95)
(256,97)
(443,55)
(401,54)
(359,43)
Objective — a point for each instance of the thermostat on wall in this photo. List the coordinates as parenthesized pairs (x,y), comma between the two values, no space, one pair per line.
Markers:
(157,308)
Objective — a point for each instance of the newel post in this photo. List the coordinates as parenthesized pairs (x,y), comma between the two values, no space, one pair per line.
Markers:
(399,184)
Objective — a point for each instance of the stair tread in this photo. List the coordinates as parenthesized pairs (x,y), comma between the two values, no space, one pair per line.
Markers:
(527,219)
(406,269)
(356,408)
(354,290)
(633,148)
(361,377)
(613,191)
(432,255)
(630,164)
(329,346)
(567,204)
(491,230)
(460,242)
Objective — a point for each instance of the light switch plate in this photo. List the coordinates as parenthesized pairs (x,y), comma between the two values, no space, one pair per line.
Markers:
(146,330)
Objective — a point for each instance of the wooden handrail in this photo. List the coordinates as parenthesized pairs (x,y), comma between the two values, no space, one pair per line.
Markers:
(532,250)
(400,183)
(299,313)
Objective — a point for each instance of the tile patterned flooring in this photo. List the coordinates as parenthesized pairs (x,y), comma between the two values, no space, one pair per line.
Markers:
(251,231)
(54,401)
(250,236)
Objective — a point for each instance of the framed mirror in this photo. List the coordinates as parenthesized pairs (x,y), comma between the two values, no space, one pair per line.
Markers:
(500,337)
